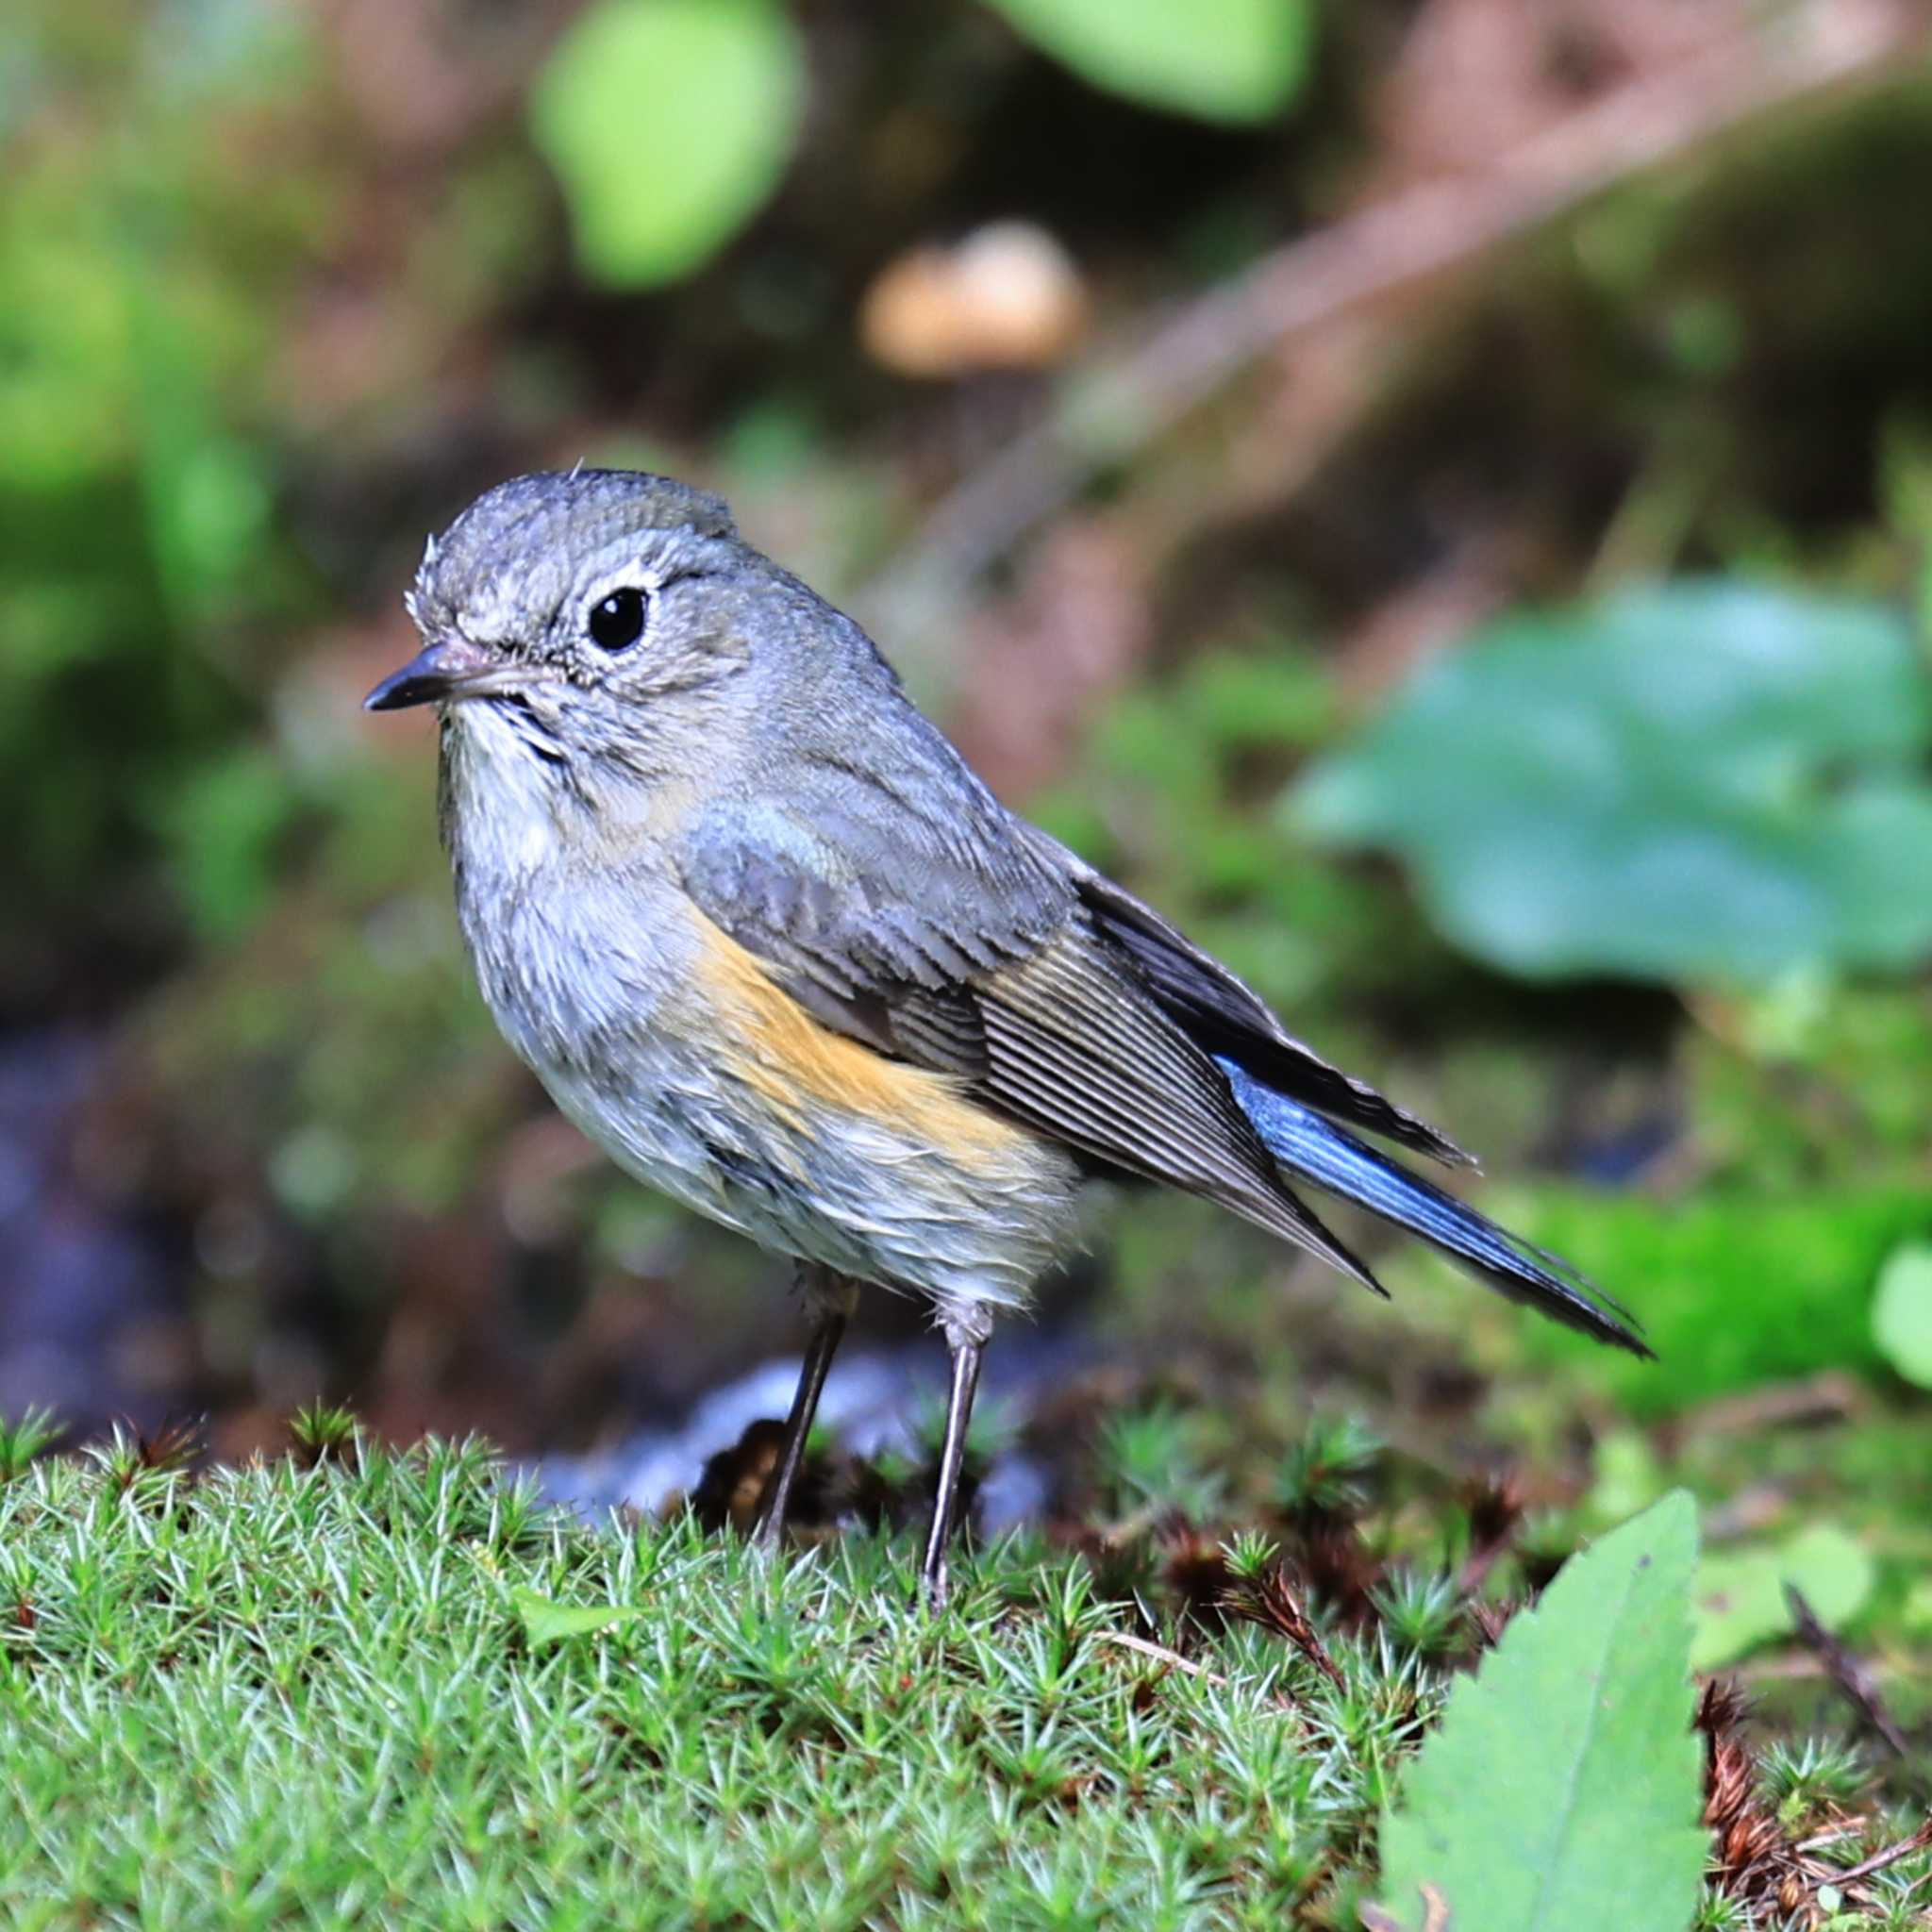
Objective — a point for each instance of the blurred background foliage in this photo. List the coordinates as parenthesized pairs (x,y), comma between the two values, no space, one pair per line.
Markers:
(1436,493)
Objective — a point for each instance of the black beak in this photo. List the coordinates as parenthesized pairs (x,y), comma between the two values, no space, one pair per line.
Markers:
(439,671)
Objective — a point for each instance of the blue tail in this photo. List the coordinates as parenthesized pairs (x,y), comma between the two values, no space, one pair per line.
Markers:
(1316,1150)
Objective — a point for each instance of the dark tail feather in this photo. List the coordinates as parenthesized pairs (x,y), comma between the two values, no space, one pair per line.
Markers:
(1316,1150)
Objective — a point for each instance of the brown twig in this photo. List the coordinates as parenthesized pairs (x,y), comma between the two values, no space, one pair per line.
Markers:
(1141,1646)
(1830,1396)
(1116,406)
(1436,1917)
(1857,1685)
(1890,1856)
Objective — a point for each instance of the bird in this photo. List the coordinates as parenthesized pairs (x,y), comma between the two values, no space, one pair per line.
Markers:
(770,942)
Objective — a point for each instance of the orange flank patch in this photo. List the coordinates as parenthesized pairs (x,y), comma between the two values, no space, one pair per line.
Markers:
(783,1054)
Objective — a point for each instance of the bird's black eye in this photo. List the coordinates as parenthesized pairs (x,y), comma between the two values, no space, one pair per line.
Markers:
(618,622)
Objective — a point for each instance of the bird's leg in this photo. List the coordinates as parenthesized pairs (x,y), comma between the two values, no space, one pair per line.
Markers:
(967,1329)
(831,1299)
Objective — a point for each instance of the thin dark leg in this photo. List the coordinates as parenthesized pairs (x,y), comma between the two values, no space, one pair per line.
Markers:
(832,1296)
(967,1350)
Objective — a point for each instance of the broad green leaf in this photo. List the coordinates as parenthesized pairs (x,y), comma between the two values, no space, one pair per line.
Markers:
(668,123)
(1741,1593)
(1218,60)
(1901,1313)
(1563,1787)
(1703,781)
(546,1623)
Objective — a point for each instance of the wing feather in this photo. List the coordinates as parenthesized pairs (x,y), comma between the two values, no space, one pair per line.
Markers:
(1225,1017)
(976,957)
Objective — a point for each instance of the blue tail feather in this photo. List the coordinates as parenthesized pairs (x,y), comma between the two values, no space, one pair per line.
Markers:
(1314,1149)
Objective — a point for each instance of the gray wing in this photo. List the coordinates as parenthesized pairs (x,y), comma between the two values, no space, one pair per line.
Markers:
(1225,1017)
(948,938)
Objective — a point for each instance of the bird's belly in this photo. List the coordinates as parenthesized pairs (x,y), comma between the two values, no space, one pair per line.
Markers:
(696,1073)
(882,1201)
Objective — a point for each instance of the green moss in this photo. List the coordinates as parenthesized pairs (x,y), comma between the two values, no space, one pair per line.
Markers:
(1735,1288)
(1816,1080)
(286,1696)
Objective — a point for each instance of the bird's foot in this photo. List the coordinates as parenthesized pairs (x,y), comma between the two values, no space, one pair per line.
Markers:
(935,1586)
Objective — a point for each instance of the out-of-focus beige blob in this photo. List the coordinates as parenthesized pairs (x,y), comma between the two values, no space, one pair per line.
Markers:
(1007,297)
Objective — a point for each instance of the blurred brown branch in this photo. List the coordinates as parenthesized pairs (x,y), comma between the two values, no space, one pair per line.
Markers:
(1855,1683)
(1121,403)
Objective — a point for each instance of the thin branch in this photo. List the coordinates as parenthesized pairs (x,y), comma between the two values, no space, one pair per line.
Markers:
(1117,406)
(1890,1856)
(1857,1684)
(1160,1652)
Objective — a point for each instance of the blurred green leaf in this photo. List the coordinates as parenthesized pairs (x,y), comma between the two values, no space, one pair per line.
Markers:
(546,1623)
(1708,780)
(1562,1787)
(1901,1313)
(668,123)
(1219,59)
(1741,1593)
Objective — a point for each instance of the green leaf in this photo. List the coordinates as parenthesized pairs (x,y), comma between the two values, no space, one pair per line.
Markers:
(1217,59)
(1706,780)
(1563,1787)
(1901,1313)
(1741,1593)
(668,123)
(546,1623)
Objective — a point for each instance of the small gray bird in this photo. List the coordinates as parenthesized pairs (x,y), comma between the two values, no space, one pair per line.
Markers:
(772,944)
